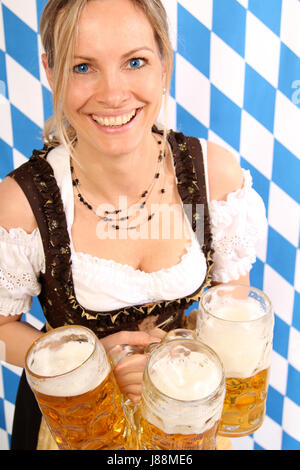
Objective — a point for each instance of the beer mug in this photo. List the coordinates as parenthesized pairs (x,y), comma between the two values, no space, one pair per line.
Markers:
(182,397)
(71,377)
(237,323)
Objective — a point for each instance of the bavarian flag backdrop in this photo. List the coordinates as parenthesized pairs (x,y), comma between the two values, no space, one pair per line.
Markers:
(237,82)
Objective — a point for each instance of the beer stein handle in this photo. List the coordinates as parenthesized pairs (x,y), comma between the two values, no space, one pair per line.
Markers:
(129,408)
(148,349)
(123,350)
(180,333)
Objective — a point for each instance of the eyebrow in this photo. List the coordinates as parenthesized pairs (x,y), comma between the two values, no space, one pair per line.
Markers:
(124,56)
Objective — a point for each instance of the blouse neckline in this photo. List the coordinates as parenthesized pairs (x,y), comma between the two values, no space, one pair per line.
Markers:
(59,160)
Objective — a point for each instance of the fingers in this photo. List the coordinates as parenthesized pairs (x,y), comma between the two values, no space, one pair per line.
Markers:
(130,362)
(135,338)
(129,375)
(134,398)
(157,333)
(132,390)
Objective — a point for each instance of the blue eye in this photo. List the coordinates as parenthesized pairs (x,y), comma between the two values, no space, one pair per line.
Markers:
(136,63)
(81,68)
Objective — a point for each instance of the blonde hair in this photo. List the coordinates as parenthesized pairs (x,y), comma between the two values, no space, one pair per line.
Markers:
(59,26)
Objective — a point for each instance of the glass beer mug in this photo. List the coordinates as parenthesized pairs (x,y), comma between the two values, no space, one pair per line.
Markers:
(182,397)
(71,377)
(237,323)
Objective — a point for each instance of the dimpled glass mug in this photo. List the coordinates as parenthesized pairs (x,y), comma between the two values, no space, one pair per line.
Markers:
(72,379)
(237,321)
(182,396)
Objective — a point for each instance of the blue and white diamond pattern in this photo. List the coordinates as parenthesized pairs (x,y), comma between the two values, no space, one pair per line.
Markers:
(236,81)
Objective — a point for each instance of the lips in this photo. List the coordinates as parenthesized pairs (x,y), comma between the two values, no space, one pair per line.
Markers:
(114,121)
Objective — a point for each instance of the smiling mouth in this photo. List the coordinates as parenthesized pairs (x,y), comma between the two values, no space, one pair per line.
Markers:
(115,121)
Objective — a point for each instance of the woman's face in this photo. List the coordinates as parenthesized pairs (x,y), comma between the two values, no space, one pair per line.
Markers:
(116,83)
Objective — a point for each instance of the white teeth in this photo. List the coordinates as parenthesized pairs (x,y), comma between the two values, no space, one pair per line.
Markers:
(114,121)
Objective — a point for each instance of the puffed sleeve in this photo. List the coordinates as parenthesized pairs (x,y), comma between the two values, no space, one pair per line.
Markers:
(238,226)
(21,261)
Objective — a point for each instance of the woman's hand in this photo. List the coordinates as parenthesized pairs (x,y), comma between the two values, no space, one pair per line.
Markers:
(130,368)
(129,375)
(132,338)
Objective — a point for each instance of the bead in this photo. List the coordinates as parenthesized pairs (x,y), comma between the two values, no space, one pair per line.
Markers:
(76,183)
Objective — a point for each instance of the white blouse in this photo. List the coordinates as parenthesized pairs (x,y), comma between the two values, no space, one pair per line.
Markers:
(238,225)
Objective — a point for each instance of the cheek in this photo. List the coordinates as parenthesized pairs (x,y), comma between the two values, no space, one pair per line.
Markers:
(78,93)
(152,90)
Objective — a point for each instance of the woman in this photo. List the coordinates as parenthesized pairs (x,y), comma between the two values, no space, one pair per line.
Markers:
(89,234)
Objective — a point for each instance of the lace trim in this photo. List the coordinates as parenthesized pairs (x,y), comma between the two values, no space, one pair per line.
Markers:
(12,281)
(147,309)
(235,244)
(30,243)
(94,261)
(18,236)
(9,306)
(234,254)
(235,271)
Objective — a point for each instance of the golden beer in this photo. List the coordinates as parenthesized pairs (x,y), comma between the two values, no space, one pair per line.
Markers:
(245,403)
(237,323)
(72,380)
(182,397)
(155,438)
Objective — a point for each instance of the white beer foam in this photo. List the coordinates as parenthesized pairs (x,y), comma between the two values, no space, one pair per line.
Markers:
(64,359)
(189,379)
(244,348)
(58,369)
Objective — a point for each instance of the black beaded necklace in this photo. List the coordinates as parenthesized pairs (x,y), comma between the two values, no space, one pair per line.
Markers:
(140,204)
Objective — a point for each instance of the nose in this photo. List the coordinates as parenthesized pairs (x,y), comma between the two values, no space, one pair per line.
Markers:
(112,90)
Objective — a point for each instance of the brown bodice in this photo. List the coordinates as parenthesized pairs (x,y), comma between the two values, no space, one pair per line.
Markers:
(57,297)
